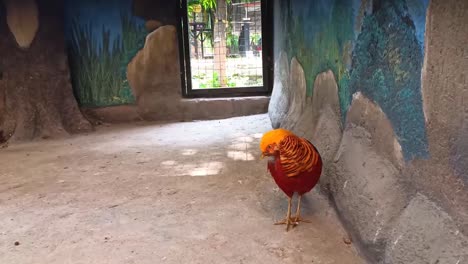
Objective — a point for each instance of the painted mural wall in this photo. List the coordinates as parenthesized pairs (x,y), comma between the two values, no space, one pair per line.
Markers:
(375,47)
(102,38)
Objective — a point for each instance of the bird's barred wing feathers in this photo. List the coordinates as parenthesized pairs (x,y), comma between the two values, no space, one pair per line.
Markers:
(297,155)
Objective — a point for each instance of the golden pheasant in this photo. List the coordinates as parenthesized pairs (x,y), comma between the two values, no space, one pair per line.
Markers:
(296,167)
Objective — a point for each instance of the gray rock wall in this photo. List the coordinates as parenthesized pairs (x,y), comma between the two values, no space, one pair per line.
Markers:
(397,209)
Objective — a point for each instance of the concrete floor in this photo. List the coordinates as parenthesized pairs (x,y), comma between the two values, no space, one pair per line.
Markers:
(157,193)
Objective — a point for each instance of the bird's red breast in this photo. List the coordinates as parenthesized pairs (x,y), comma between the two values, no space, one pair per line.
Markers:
(297,167)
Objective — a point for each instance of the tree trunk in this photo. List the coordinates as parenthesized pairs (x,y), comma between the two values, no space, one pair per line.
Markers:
(220,42)
(195,47)
(36,97)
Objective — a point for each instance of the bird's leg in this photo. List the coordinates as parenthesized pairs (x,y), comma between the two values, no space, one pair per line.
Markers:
(298,218)
(288,221)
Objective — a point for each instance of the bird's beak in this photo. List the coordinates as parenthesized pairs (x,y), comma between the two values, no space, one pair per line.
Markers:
(262,156)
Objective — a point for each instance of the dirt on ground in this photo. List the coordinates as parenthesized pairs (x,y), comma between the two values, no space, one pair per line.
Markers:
(192,192)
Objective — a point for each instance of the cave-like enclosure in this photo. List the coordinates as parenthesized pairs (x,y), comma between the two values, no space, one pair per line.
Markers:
(101,160)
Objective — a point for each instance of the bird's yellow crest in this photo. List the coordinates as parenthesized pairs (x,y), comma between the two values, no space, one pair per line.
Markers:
(273,136)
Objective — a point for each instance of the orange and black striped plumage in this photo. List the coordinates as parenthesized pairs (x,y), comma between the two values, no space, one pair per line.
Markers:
(297,155)
(296,165)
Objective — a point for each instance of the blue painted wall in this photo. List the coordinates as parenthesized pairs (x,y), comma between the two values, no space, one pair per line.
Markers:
(375,47)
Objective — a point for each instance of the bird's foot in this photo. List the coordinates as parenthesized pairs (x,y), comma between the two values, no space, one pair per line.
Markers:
(288,222)
(293,222)
(284,222)
(298,219)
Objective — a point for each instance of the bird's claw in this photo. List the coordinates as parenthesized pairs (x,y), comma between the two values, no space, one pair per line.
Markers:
(293,221)
(288,222)
(284,221)
(298,219)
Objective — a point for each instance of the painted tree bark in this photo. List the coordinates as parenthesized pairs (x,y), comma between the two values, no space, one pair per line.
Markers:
(36,97)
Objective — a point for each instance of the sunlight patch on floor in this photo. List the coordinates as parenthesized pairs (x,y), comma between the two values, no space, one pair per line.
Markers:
(257,135)
(238,146)
(169,163)
(245,139)
(196,162)
(189,152)
(207,169)
(240,155)
(174,168)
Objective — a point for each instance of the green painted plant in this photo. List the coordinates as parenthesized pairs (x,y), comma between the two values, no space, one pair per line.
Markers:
(99,77)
